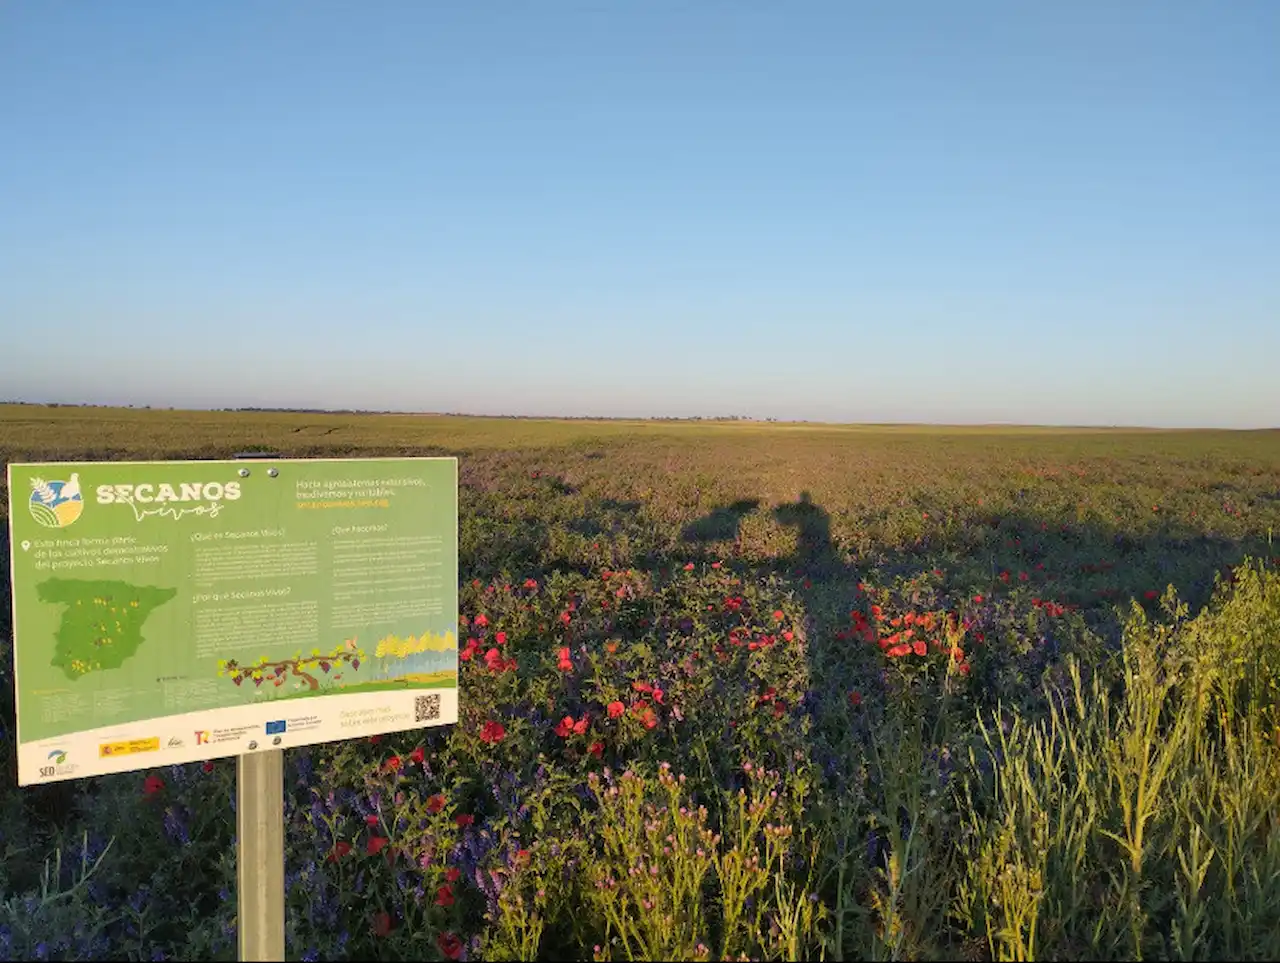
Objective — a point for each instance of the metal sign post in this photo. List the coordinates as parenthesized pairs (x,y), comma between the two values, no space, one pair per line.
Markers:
(260,848)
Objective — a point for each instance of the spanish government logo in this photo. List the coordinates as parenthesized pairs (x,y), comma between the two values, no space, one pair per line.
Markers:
(56,504)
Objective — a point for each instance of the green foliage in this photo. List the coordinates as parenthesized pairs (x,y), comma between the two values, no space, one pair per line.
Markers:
(1140,823)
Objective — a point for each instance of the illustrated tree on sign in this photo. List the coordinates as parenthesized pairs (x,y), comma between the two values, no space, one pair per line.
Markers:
(276,671)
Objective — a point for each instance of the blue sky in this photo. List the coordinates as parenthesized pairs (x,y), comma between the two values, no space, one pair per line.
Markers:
(1059,213)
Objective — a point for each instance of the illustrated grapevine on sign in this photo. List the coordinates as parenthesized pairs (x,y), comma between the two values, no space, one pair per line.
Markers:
(301,668)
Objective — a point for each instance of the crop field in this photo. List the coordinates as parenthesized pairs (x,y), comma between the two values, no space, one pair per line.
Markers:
(745,691)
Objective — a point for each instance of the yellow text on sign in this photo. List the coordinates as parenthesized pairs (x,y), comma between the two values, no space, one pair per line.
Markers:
(128,747)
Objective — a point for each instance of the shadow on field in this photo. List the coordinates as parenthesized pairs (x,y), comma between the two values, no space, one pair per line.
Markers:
(721,524)
(1087,567)
(816,554)
(614,505)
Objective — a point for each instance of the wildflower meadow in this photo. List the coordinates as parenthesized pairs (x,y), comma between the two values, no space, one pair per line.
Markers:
(743,692)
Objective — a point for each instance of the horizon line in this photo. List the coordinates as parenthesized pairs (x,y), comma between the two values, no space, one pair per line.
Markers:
(715,419)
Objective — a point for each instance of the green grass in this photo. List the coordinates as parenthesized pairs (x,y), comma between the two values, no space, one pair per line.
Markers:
(1095,774)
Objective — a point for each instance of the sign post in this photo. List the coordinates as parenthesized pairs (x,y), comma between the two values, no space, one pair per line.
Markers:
(260,855)
(175,612)
(260,847)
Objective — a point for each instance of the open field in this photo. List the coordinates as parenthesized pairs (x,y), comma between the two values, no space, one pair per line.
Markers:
(737,690)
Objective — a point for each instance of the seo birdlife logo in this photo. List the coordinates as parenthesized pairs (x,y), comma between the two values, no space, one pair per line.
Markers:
(56,765)
(56,504)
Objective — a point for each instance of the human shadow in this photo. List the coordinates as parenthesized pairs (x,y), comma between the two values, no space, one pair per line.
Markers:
(720,524)
(815,552)
(1086,570)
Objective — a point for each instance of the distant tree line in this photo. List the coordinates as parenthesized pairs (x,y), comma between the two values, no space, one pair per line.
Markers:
(444,414)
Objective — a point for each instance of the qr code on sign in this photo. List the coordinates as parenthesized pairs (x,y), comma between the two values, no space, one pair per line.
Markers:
(426,707)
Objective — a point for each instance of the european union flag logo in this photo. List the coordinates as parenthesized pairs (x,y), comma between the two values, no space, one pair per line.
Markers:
(275,728)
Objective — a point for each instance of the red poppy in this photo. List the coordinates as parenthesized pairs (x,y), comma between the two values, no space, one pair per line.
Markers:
(382,923)
(375,845)
(564,727)
(152,785)
(493,732)
(855,697)
(393,764)
(500,638)
(417,755)
(463,820)
(208,767)
(899,650)
(481,621)
(371,820)
(616,709)
(452,874)
(597,749)
(450,946)
(444,896)
(920,647)
(435,803)
(340,849)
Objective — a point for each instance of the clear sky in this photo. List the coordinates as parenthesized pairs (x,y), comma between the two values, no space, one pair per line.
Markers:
(1037,212)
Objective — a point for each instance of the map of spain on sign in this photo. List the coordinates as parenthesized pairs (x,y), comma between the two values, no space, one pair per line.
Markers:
(168,612)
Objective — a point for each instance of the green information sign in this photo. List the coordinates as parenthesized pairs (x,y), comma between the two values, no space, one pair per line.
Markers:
(168,612)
